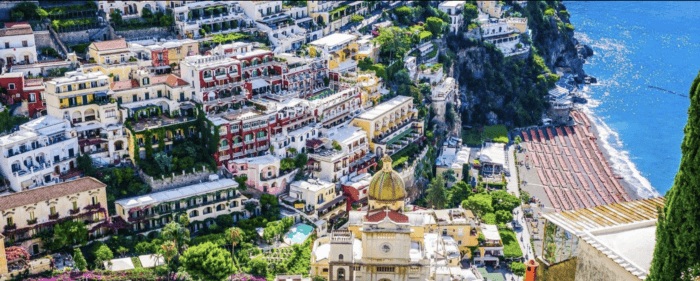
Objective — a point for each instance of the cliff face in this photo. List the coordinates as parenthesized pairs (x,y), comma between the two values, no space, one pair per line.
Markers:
(494,89)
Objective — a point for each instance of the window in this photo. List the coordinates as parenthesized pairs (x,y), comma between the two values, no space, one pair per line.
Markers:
(10,221)
(24,43)
(31,215)
(7,45)
(341,273)
(11,86)
(75,205)
(110,113)
(385,269)
(94,200)
(325,270)
(340,257)
(32,97)
(194,214)
(52,209)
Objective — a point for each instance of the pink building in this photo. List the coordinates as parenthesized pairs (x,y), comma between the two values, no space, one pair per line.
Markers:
(263,173)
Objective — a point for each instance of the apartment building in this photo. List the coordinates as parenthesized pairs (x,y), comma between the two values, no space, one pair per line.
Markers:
(25,214)
(391,125)
(212,17)
(453,158)
(355,190)
(263,173)
(339,49)
(332,164)
(42,152)
(216,81)
(442,94)
(17,44)
(243,133)
(321,199)
(454,10)
(303,75)
(335,108)
(27,92)
(202,203)
(129,9)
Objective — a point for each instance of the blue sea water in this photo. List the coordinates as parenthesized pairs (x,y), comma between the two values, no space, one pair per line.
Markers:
(640,44)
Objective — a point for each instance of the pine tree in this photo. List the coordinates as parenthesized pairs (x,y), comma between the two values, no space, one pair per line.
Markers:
(437,195)
(677,232)
(79,260)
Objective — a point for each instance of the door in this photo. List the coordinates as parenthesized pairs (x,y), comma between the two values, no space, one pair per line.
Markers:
(35,249)
(85,99)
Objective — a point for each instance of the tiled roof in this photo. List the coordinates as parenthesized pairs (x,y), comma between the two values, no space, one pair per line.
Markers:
(17,28)
(49,192)
(158,79)
(110,45)
(314,143)
(381,214)
(174,81)
(124,85)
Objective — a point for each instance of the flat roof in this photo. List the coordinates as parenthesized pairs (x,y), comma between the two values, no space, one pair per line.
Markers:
(383,107)
(493,153)
(333,40)
(177,193)
(312,184)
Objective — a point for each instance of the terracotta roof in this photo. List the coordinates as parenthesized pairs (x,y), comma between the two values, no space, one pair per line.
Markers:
(110,45)
(314,143)
(607,215)
(11,24)
(160,79)
(14,29)
(49,192)
(381,214)
(124,85)
(174,81)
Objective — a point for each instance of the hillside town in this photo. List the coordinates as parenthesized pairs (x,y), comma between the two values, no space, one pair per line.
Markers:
(292,140)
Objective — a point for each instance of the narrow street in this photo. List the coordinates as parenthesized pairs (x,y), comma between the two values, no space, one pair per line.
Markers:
(522,233)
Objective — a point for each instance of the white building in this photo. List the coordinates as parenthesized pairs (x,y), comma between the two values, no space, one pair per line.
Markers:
(322,200)
(42,152)
(443,93)
(17,44)
(219,17)
(129,9)
(454,10)
(453,158)
(492,157)
(330,164)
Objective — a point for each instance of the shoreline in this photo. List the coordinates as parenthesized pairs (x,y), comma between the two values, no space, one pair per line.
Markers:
(634,195)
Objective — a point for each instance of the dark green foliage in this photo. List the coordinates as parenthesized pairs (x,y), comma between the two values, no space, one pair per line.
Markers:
(8,122)
(677,232)
(470,13)
(459,192)
(437,196)
(79,260)
(207,261)
(85,164)
(71,233)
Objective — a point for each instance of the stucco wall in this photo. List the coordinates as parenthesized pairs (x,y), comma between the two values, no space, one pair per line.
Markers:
(595,266)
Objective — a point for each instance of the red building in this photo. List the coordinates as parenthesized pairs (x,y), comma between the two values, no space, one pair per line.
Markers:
(355,190)
(159,56)
(25,91)
(243,134)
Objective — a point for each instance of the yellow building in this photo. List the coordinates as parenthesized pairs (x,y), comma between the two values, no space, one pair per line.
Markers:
(387,243)
(80,96)
(391,125)
(114,58)
(179,50)
(340,49)
(518,23)
(3,257)
(23,215)
(492,8)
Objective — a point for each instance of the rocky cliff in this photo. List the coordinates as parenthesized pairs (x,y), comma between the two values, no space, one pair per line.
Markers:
(511,91)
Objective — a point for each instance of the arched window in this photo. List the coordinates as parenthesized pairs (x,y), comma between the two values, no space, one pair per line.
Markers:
(340,257)
(224,143)
(341,273)
(194,213)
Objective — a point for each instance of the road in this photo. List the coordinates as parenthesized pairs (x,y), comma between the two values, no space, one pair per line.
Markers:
(523,234)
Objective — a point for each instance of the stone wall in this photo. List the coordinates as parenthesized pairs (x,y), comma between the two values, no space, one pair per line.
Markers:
(594,265)
(175,181)
(146,33)
(89,35)
(43,40)
(408,174)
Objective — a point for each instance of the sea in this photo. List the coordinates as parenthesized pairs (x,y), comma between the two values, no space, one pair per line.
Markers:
(637,45)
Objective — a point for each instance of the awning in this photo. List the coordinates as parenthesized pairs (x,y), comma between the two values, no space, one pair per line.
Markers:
(259,83)
(186,106)
(100,94)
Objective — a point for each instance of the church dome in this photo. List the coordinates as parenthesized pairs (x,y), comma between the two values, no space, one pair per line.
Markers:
(387,185)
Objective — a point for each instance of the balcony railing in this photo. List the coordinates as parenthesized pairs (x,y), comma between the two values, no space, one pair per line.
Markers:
(53,216)
(10,227)
(74,211)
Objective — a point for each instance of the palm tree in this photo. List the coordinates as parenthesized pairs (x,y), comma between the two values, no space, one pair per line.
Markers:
(234,236)
(168,250)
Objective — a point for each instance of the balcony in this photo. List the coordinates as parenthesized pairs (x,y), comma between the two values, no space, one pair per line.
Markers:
(238,144)
(74,211)
(223,148)
(31,221)
(263,148)
(53,216)
(10,227)
(250,141)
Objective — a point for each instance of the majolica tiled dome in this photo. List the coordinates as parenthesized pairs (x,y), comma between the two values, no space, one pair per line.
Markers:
(387,185)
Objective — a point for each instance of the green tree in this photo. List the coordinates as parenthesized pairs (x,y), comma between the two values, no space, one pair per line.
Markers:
(102,254)
(207,261)
(71,233)
(479,203)
(503,216)
(677,233)
(435,25)
(337,146)
(300,160)
(518,268)
(357,18)
(470,12)
(168,250)
(116,17)
(393,40)
(233,236)
(241,181)
(85,164)
(449,175)
(460,191)
(79,260)
(437,196)
(258,266)
(175,232)
(502,200)
(184,220)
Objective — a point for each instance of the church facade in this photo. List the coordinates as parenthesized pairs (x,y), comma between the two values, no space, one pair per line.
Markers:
(386,243)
